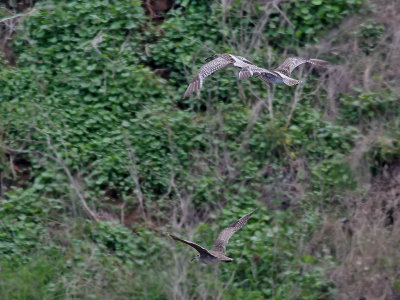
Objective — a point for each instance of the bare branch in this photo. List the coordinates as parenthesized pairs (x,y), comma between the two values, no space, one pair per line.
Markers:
(275,5)
(297,93)
(270,100)
(253,120)
(58,159)
(132,168)
(5,20)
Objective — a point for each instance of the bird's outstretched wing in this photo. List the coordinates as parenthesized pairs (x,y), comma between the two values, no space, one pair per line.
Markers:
(245,73)
(264,79)
(244,59)
(249,71)
(200,249)
(292,63)
(267,76)
(226,234)
(205,71)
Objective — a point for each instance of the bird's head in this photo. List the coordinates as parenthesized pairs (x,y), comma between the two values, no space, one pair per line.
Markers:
(211,57)
(196,257)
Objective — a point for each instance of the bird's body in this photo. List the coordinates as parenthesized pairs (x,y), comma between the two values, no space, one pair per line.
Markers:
(214,258)
(280,75)
(217,252)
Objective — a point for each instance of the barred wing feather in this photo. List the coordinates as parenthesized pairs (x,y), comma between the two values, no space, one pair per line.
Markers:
(292,63)
(226,234)
(205,71)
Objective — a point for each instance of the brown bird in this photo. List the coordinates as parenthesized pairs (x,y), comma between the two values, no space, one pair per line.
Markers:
(280,74)
(248,69)
(217,252)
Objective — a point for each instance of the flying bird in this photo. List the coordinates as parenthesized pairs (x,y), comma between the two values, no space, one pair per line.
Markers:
(248,69)
(217,252)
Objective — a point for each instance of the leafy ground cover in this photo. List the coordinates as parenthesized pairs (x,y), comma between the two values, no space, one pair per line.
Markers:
(101,156)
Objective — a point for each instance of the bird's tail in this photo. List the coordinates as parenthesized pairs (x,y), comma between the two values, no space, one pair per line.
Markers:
(287,80)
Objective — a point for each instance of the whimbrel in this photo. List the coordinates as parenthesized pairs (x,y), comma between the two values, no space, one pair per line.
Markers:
(217,252)
(247,69)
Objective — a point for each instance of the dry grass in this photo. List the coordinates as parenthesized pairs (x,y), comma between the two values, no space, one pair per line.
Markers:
(367,62)
(366,243)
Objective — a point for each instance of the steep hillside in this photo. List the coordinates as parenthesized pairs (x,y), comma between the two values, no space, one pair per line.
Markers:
(101,156)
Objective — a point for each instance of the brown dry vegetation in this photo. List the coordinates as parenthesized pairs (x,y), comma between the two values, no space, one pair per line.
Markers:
(371,65)
(366,242)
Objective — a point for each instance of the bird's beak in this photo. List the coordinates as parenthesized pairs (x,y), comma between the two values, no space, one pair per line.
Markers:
(210,58)
(194,258)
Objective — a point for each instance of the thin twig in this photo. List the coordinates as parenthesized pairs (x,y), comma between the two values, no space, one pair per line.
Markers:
(229,282)
(126,41)
(183,202)
(296,99)
(135,175)
(59,160)
(17,16)
(255,113)
(270,100)
(275,5)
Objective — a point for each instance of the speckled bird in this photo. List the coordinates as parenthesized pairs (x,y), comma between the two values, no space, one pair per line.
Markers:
(218,252)
(248,69)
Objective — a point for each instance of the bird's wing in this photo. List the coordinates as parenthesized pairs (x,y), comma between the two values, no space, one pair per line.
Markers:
(249,71)
(205,71)
(226,234)
(267,76)
(286,79)
(244,59)
(292,63)
(199,248)
(245,73)
(264,79)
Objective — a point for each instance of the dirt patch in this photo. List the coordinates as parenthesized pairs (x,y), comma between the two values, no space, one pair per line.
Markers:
(157,8)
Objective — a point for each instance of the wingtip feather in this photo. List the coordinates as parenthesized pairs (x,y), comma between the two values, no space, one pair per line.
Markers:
(254,210)
(194,86)
(318,62)
(251,213)
(174,237)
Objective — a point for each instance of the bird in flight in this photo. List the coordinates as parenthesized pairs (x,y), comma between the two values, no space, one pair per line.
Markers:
(248,69)
(217,252)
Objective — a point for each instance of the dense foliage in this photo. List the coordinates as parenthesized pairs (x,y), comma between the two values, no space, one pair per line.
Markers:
(101,156)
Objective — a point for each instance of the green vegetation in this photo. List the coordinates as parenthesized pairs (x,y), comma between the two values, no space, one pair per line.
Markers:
(100,156)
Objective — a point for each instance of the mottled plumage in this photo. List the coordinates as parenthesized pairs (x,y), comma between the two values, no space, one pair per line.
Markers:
(218,62)
(292,63)
(280,74)
(217,252)
(248,69)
